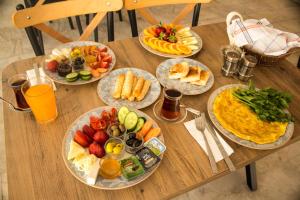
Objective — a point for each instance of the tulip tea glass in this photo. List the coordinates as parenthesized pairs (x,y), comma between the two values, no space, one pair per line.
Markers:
(16,82)
(171,104)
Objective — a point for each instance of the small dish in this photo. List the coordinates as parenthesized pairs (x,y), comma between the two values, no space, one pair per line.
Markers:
(132,148)
(155,145)
(115,128)
(114,147)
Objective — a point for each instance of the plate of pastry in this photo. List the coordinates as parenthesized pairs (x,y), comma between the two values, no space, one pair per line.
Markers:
(171,41)
(189,76)
(129,87)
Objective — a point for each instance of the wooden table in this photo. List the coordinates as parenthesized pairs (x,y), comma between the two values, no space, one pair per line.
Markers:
(35,167)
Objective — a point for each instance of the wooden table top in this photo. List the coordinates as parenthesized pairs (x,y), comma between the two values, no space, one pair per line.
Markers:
(35,167)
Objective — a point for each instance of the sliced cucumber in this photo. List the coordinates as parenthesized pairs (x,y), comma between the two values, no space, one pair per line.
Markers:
(72,77)
(85,78)
(85,73)
(131,121)
(140,124)
(122,114)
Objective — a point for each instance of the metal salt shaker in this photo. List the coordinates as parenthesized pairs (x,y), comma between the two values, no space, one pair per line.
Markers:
(246,68)
(231,60)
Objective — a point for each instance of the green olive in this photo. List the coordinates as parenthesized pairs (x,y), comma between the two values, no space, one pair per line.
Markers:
(116,133)
(113,127)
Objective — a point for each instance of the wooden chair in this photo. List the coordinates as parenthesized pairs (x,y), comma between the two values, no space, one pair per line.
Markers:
(142,7)
(34,17)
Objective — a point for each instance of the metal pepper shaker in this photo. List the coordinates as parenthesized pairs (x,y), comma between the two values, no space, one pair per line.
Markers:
(231,61)
(245,71)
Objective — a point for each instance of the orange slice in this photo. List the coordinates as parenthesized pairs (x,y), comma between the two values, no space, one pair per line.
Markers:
(174,49)
(151,42)
(146,40)
(184,49)
(161,46)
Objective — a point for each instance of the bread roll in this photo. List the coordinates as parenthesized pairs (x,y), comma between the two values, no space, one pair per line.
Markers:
(118,87)
(127,87)
(144,91)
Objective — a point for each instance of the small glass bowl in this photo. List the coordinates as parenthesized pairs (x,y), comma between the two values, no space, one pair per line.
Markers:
(109,131)
(129,149)
(110,154)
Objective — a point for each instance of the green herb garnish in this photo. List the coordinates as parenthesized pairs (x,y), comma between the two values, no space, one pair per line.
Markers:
(267,103)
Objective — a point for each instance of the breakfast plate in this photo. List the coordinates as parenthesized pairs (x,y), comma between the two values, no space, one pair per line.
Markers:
(108,84)
(94,61)
(162,47)
(154,145)
(187,88)
(269,139)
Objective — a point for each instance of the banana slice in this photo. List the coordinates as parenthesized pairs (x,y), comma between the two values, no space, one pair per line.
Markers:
(193,47)
(186,29)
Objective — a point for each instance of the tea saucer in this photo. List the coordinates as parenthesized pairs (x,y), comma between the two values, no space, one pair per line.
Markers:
(157,108)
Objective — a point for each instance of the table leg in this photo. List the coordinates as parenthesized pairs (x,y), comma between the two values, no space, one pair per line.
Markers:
(251,176)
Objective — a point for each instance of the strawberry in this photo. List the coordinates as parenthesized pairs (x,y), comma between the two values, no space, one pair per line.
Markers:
(82,139)
(88,131)
(104,64)
(107,59)
(103,49)
(52,65)
(103,54)
(101,137)
(97,150)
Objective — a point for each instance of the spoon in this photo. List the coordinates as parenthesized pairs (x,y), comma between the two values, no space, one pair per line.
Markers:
(13,107)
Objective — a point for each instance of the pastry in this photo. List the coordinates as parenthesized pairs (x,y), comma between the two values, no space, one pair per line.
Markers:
(204,76)
(127,87)
(144,91)
(118,87)
(193,75)
(179,70)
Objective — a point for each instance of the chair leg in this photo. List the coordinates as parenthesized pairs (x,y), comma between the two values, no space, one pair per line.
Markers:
(79,25)
(96,31)
(196,14)
(251,176)
(298,64)
(30,32)
(120,15)
(71,23)
(110,26)
(87,19)
(133,24)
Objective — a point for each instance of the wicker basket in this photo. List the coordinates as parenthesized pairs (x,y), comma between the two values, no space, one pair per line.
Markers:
(262,59)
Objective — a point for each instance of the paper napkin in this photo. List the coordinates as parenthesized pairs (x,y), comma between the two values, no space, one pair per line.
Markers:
(198,136)
(31,74)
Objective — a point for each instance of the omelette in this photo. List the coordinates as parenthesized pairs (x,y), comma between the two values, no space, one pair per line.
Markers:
(241,121)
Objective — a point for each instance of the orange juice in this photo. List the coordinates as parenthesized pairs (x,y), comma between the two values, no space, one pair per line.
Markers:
(41,100)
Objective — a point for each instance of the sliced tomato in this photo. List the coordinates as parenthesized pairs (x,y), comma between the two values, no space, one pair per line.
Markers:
(103,54)
(105,116)
(104,64)
(99,125)
(94,119)
(103,49)
(113,113)
(107,59)
(99,58)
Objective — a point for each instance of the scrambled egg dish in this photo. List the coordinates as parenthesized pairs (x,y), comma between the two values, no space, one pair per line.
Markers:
(241,121)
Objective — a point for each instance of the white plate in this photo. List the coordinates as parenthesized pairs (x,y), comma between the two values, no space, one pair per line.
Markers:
(198,38)
(105,184)
(162,72)
(106,86)
(278,143)
(58,79)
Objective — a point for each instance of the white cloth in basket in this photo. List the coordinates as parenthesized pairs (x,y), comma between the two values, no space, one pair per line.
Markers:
(260,36)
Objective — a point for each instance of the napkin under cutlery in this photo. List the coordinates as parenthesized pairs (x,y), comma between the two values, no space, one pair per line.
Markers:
(198,136)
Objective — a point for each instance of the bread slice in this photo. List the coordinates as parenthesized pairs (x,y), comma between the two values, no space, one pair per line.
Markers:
(204,76)
(179,70)
(193,75)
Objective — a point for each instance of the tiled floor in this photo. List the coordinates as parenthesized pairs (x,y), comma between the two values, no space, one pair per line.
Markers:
(278,174)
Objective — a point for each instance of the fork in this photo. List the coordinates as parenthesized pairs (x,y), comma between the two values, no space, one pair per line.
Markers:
(200,125)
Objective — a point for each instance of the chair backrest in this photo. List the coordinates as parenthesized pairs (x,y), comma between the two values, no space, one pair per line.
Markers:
(37,15)
(142,5)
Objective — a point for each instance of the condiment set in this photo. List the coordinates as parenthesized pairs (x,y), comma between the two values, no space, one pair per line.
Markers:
(236,63)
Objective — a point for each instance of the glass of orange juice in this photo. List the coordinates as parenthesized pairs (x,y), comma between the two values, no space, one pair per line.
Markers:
(39,95)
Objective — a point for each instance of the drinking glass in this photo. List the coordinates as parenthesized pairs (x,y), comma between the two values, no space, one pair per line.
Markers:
(16,82)
(39,95)
(171,104)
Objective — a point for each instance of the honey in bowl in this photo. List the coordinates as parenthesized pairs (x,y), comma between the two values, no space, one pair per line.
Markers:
(110,168)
